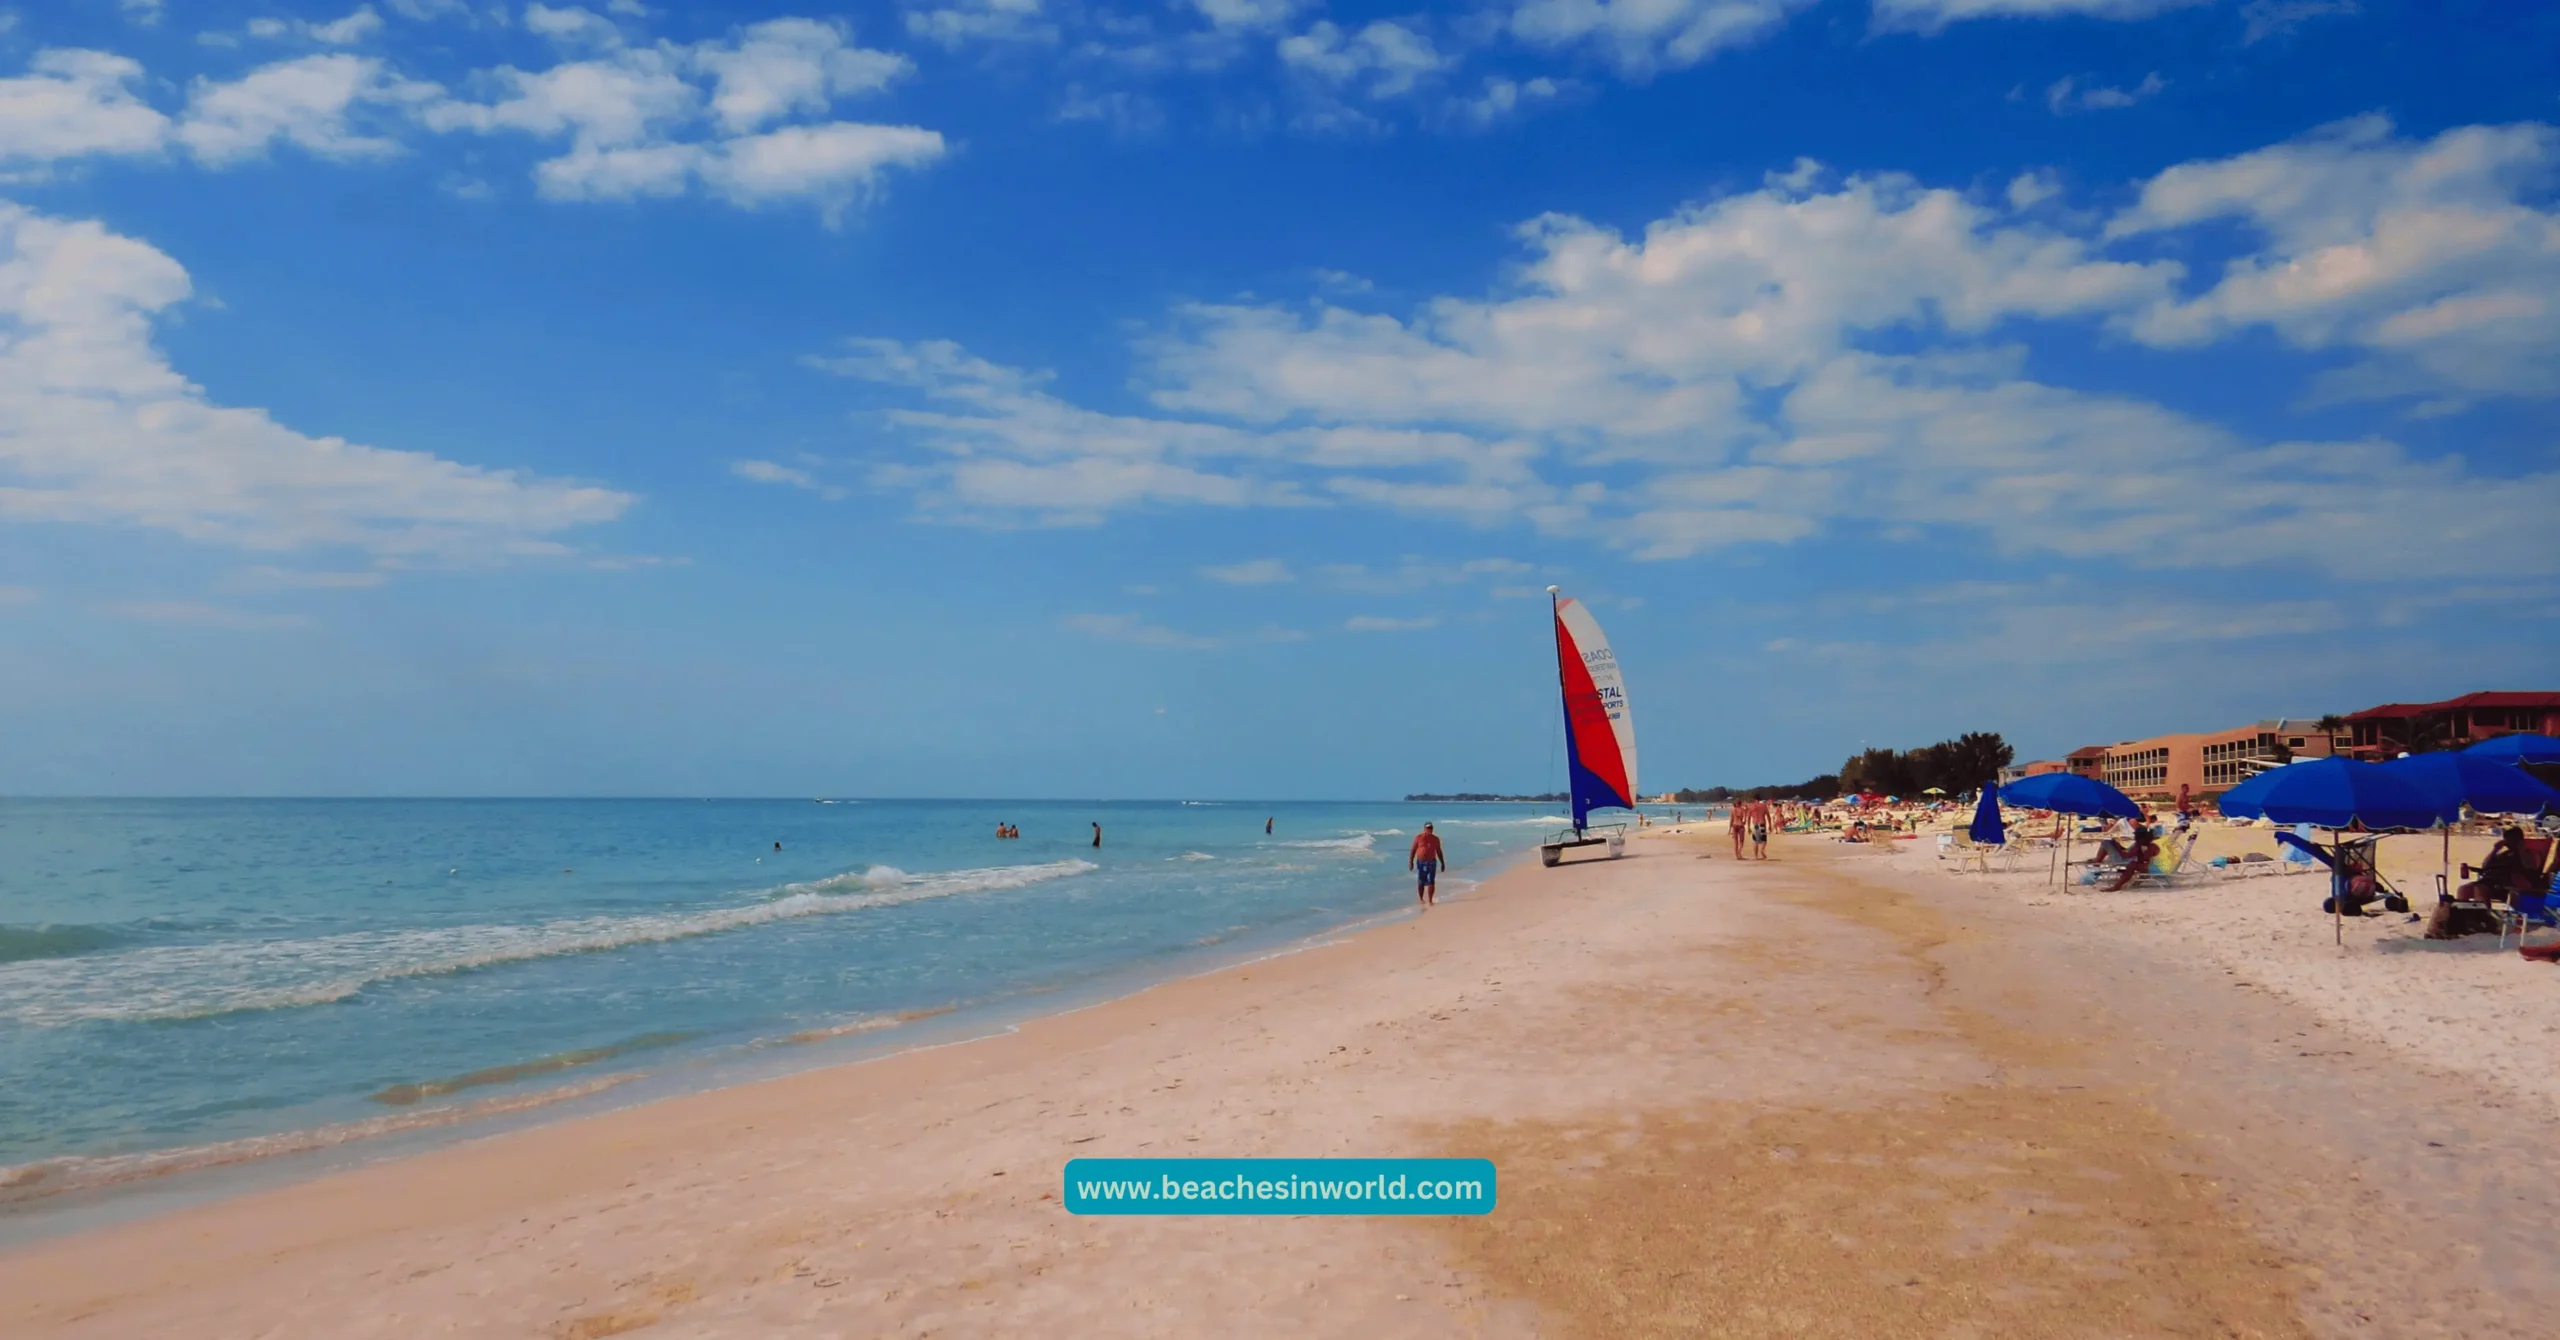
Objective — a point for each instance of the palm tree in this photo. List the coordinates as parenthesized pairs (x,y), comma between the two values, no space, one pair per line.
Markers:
(2330,725)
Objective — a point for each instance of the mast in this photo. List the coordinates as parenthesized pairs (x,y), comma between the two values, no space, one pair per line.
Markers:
(1564,699)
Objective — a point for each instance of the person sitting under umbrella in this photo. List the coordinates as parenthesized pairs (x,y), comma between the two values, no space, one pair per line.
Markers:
(2505,872)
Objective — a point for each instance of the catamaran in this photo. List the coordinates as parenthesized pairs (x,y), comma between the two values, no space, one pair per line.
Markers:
(1599,733)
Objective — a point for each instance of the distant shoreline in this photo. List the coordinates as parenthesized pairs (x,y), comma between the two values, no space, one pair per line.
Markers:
(1481,798)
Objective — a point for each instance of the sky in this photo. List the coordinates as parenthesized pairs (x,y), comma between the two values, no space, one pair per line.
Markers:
(1039,398)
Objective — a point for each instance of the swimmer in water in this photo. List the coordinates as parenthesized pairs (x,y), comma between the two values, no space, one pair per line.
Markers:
(1097,835)
(1266,828)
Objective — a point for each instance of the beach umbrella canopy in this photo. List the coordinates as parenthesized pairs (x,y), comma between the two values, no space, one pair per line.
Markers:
(1934,791)
(2517,749)
(2070,793)
(2455,780)
(2336,793)
(1986,828)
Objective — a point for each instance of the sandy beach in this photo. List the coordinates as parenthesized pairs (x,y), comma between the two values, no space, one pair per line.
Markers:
(1839,1093)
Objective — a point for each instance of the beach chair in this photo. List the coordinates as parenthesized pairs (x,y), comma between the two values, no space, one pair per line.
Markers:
(1960,848)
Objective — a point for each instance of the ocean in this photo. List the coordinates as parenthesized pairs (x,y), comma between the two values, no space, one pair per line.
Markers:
(191,983)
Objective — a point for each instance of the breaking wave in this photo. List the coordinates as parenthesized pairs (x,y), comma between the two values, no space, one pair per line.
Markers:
(1361,842)
(199,981)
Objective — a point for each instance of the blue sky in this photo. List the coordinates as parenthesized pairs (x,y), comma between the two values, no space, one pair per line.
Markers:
(1021,397)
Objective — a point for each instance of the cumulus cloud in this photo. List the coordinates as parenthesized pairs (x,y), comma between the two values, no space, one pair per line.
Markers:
(2437,260)
(1383,59)
(71,104)
(96,427)
(316,103)
(790,476)
(1778,364)
(664,120)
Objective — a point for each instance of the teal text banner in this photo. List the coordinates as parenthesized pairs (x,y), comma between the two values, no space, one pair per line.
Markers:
(1279,1186)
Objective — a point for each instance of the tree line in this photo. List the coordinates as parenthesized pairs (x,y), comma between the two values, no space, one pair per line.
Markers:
(1966,763)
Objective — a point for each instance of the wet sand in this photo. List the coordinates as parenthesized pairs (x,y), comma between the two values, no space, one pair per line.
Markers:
(1820,1096)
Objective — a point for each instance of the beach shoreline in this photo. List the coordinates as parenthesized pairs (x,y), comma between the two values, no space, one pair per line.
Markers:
(1821,1094)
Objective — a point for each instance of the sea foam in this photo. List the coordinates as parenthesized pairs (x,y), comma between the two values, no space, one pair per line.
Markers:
(199,981)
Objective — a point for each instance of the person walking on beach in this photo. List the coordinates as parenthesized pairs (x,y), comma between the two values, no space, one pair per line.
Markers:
(1425,859)
(1737,820)
(1760,836)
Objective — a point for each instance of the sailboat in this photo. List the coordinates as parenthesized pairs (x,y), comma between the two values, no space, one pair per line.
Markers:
(1599,732)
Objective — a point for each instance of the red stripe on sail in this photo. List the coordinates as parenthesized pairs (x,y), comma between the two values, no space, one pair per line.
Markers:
(1595,741)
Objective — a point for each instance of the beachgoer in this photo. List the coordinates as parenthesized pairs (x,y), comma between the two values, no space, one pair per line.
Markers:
(1739,825)
(777,846)
(1266,828)
(1424,859)
(2503,873)
(1760,836)
(1097,835)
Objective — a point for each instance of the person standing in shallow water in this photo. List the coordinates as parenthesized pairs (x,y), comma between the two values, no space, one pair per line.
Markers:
(1097,835)
(1266,828)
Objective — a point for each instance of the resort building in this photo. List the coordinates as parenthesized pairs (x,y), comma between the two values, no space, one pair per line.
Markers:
(2394,729)
(2210,763)
(2089,760)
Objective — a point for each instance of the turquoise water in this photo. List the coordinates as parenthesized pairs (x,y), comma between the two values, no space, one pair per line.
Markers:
(177,974)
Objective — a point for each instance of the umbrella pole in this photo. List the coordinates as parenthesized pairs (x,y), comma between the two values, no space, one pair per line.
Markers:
(2338,887)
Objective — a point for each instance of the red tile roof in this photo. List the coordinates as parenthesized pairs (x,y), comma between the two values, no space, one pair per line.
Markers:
(2397,710)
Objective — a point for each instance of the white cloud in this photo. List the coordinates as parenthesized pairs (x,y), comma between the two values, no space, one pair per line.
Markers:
(1370,623)
(572,26)
(71,103)
(634,118)
(144,12)
(355,27)
(2277,18)
(2067,95)
(1252,572)
(1766,368)
(1002,21)
(1384,59)
(2436,260)
(1500,99)
(1932,15)
(1640,36)
(96,427)
(788,66)
(313,103)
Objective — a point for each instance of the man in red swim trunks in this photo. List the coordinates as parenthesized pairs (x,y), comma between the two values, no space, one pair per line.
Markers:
(1425,860)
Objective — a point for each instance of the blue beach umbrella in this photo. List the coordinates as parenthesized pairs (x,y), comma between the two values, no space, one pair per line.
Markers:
(2336,793)
(2452,781)
(2517,749)
(1986,827)
(2070,793)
